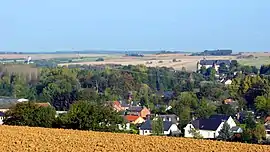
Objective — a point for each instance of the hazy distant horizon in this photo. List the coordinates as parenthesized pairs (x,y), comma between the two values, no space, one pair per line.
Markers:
(193,25)
(115,50)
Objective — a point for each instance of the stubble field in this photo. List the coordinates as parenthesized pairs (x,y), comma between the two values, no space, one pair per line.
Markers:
(150,60)
(41,139)
(166,60)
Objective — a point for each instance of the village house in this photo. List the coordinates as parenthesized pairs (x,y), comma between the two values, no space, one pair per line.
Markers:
(169,128)
(117,106)
(134,119)
(212,63)
(226,81)
(267,127)
(209,128)
(139,111)
(170,117)
(267,131)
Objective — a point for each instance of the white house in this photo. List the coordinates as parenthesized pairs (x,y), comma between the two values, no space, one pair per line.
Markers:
(228,82)
(209,128)
(22,100)
(169,128)
(212,63)
(60,113)
(267,131)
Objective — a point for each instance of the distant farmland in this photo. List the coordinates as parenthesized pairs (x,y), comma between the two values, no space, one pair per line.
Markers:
(151,60)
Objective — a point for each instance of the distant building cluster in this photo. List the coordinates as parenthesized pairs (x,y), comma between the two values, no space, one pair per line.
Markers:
(212,63)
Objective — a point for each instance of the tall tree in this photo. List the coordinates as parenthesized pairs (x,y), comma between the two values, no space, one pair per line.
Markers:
(59,86)
(211,73)
(263,105)
(157,126)
(205,109)
(225,133)
(259,132)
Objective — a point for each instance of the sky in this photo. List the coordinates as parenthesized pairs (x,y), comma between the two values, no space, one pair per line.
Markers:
(187,25)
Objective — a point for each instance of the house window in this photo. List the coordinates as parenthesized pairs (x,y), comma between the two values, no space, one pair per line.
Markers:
(268,132)
(145,131)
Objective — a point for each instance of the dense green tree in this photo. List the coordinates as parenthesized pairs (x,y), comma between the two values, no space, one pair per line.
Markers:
(226,109)
(253,133)
(263,104)
(88,94)
(250,122)
(211,72)
(259,132)
(59,86)
(30,114)
(205,109)
(188,99)
(157,126)
(247,135)
(214,91)
(225,133)
(143,94)
(184,113)
(20,87)
(85,115)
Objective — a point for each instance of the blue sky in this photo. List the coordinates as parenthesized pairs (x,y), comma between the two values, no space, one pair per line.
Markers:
(190,25)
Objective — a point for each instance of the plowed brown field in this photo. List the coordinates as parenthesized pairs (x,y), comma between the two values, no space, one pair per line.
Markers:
(19,139)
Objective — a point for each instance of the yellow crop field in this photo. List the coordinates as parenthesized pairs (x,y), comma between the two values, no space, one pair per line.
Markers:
(21,139)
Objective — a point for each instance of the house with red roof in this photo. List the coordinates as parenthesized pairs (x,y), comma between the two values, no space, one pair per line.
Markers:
(134,119)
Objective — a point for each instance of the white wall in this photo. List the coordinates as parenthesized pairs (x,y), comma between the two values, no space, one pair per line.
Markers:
(1,120)
(124,126)
(145,132)
(173,128)
(231,122)
(267,135)
(208,133)
(228,82)
(187,130)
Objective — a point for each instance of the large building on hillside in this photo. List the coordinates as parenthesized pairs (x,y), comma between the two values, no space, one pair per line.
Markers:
(212,63)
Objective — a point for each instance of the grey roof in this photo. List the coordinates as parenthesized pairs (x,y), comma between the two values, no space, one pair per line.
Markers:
(172,117)
(124,105)
(135,108)
(2,114)
(212,123)
(221,117)
(217,62)
(235,129)
(6,103)
(147,125)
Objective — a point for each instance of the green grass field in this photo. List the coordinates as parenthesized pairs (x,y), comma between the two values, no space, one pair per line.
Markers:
(255,62)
